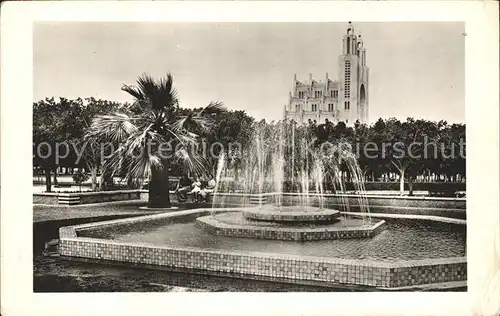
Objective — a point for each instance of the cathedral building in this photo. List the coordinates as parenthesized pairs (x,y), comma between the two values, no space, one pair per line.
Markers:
(345,99)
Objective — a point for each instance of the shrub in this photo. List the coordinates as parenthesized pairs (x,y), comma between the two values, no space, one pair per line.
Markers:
(434,188)
(80,177)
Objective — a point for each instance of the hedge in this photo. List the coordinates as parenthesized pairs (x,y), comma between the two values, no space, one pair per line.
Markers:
(434,188)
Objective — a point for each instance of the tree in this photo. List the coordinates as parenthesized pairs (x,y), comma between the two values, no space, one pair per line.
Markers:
(90,145)
(401,136)
(55,124)
(144,129)
(62,124)
(233,131)
(80,177)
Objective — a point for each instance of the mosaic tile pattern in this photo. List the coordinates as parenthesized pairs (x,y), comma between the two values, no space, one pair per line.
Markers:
(331,270)
(216,227)
(344,271)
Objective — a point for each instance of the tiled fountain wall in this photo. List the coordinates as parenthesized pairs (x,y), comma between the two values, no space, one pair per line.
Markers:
(303,234)
(433,206)
(330,270)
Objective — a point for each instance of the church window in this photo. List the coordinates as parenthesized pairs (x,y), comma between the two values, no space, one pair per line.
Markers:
(347,79)
(347,105)
(330,107)
(348,45)
(297,107)
(314,107)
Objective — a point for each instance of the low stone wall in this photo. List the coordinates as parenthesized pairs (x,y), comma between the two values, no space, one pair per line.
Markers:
(108,196)
(430,206)
(320,269)
(443,207)
(87,197)
(45,198)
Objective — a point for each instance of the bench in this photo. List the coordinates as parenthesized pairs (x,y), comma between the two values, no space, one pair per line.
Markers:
(208,192)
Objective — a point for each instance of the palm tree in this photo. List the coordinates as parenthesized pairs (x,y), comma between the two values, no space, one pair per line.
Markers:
(148,130)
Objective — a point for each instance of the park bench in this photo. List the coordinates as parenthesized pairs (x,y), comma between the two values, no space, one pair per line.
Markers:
(190,194)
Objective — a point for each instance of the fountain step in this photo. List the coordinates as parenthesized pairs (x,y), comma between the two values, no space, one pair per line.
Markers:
(291,214)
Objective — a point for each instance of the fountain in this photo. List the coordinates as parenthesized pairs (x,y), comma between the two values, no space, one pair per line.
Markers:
(278,223)
(266,211)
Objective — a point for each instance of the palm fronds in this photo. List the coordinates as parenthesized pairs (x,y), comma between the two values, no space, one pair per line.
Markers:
(158,95)
(191,161)
(154,119)
(202,119)
(213,108)
(113,127)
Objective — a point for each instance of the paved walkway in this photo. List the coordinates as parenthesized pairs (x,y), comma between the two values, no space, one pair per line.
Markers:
(411,216)
(43,213)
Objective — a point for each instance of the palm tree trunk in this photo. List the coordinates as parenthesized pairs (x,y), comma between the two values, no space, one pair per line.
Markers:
(410,185)
(93,172)
(159,193)
(402,182)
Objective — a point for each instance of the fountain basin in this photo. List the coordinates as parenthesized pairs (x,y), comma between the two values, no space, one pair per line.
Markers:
(236,224)
(404,255)
(293,214)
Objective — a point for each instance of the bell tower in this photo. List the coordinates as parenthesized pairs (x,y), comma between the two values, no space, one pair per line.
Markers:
(353,79)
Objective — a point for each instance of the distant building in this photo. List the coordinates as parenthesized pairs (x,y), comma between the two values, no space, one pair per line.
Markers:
(345,99)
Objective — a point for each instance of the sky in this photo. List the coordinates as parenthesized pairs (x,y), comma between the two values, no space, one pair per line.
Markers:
(417,69)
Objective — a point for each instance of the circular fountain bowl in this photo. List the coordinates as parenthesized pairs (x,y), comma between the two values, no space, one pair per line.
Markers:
(234,224)
(291,214)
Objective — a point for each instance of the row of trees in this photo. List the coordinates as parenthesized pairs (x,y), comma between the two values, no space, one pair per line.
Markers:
(126,139)
(387,150)
(155,117)
(59,127)
(414,149)
(57,122)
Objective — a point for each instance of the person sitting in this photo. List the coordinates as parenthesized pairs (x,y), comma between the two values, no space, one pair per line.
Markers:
(196,190)
(183,187)
(209,188)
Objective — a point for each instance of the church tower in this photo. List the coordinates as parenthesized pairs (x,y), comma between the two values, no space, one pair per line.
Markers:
(343,100)
(353,78)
